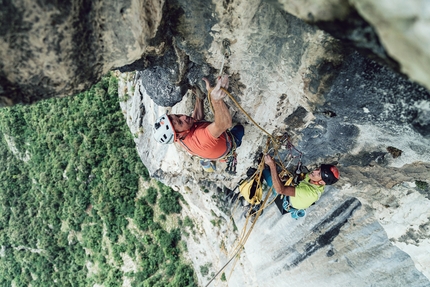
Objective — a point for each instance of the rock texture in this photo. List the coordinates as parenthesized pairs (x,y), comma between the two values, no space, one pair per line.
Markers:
(50,49)
(58,48)
(338,105)
(326,76)
(401,27)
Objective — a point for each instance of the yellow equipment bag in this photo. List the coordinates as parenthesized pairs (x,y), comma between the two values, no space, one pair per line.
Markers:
(251,189)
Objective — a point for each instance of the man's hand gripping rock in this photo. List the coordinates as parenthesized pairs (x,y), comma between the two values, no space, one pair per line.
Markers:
(217,92)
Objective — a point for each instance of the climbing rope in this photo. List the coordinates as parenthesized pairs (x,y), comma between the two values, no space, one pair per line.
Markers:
(255,214)
(243,111)
(231,168)
(241,243)
(251,213)
(222,268)
(245,233)
(248,233)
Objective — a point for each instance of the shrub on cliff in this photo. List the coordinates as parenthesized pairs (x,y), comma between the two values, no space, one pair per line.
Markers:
(67,191)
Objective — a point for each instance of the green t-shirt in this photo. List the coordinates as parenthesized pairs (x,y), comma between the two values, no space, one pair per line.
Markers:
(306,194)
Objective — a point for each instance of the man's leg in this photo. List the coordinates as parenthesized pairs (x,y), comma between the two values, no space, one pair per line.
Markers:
(238,131)
(268,178)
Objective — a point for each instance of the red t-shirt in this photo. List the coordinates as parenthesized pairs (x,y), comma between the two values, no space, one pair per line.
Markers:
(199,141)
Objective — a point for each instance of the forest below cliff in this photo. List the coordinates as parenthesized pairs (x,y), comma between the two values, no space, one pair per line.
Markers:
(77,206)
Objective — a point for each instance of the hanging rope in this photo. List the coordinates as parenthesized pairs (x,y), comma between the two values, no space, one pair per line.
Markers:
(237,249)
(276,143)
(243,111)
(244,233)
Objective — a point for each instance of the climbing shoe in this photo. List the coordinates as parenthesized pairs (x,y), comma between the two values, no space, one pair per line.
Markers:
(297,213)
(254,212)
(208,166)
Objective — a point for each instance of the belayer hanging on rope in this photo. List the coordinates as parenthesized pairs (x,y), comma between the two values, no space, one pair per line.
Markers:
(210,141)
(307,192)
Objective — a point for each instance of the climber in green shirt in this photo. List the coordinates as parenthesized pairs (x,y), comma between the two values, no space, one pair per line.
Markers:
(308,190)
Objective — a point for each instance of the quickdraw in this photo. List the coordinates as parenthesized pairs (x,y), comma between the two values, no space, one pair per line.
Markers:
(225,54)
(231,163)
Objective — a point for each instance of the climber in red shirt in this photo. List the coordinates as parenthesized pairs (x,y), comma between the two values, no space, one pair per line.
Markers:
(208,140)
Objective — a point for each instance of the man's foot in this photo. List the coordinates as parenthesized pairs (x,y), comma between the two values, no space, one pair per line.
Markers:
(208,166)
(254,210)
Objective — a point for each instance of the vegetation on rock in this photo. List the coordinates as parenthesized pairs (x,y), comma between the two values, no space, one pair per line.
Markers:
(69,215)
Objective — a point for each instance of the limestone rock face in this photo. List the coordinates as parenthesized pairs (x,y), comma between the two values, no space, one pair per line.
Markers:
(50,49)
(337,105)
(401,27)
(319,80)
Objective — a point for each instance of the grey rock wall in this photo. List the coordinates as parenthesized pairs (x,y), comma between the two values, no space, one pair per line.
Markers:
(339,106)
(59,48)
(395,32)
(331,82)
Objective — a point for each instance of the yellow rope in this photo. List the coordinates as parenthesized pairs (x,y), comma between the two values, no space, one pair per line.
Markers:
(243,241)
(243,111)
(246,233)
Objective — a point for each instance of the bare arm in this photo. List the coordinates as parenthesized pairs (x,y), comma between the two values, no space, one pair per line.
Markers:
(199,112)
(223,119)
(277,184)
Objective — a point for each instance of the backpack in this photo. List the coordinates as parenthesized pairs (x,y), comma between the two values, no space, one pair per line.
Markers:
(251,188)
